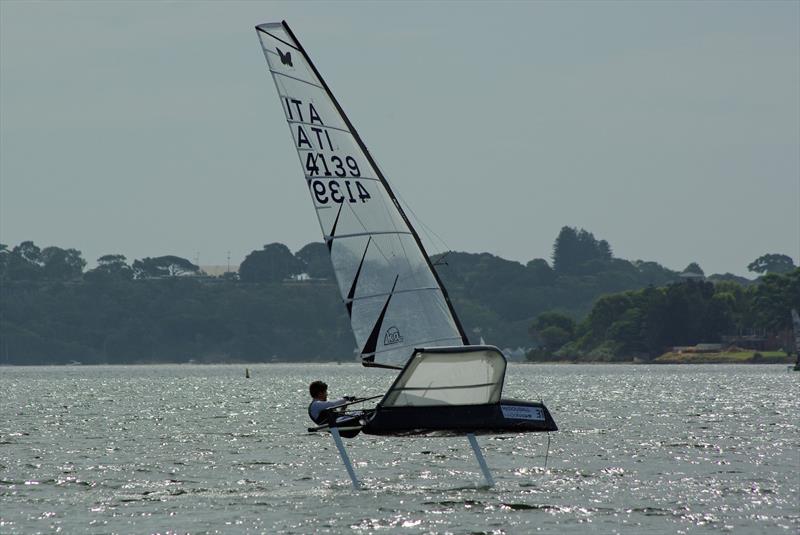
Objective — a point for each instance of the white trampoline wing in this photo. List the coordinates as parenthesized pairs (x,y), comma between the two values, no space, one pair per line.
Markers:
(462,376)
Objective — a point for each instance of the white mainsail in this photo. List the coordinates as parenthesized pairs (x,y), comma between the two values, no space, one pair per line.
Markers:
(395,300)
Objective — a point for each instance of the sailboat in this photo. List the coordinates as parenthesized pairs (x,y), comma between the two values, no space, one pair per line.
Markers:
(796,328)
(401,315)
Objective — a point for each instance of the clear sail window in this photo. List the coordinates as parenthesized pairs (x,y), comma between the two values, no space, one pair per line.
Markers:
(439,377)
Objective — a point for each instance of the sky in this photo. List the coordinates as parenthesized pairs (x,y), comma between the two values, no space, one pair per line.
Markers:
(669,129)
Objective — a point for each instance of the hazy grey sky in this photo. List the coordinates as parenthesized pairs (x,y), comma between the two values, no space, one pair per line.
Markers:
(672,129)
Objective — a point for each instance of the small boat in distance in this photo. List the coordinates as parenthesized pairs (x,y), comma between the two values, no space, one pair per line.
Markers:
(400,312)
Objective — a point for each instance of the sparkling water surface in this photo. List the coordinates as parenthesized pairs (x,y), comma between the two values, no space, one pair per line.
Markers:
(202,449)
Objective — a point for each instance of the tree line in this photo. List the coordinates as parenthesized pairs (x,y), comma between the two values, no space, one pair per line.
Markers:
(285,306)
(642,324)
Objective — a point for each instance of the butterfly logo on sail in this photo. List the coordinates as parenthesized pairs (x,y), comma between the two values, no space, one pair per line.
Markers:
(392,336)
(286,59)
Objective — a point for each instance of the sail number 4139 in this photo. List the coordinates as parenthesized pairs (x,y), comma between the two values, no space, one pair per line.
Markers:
(326,191)
(332,190)
(316,165)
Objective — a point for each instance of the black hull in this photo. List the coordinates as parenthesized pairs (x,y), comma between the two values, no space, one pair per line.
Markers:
(506,417)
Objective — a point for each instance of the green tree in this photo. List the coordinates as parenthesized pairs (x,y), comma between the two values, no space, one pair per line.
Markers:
(62,264)
(552,330)
(29,252)
(24,262)
(739,301)
(553,319)
(648,321)
(565,250)
(694,268)
(774,298)
(553,337)
(771,263)
(274,263)
(653,273)
(574,249)
(163,266)
(540,272)
(626,333)
(317,261)
(110,268)
(5,253)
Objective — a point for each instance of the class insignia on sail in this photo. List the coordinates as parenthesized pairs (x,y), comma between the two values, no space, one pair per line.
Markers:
(286,58)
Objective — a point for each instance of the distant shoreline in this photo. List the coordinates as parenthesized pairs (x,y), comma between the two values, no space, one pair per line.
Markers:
(660,361)
(739,357)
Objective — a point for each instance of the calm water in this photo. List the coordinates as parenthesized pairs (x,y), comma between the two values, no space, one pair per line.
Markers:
(201,449)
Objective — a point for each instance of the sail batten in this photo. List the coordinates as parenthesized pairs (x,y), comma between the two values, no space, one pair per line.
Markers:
(260,28)
(314,124)
(392,293)
(295,78)
(377,233)
(434,342)
(430,289)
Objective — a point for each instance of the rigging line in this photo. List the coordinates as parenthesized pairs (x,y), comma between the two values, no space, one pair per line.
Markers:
(407,223)
(405,253)
(440,261)
(428,230)
(425,311)
(395,208)
(425,228)
(402,246)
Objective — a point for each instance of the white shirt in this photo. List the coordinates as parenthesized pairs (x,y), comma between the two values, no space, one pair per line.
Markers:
(318,406)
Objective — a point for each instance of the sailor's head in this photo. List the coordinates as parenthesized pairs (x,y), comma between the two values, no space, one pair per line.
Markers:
(318,390)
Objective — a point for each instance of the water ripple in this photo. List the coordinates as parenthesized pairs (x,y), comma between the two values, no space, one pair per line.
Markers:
(668,449)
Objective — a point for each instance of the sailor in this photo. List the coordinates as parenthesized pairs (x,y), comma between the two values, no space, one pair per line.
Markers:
(320,403)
